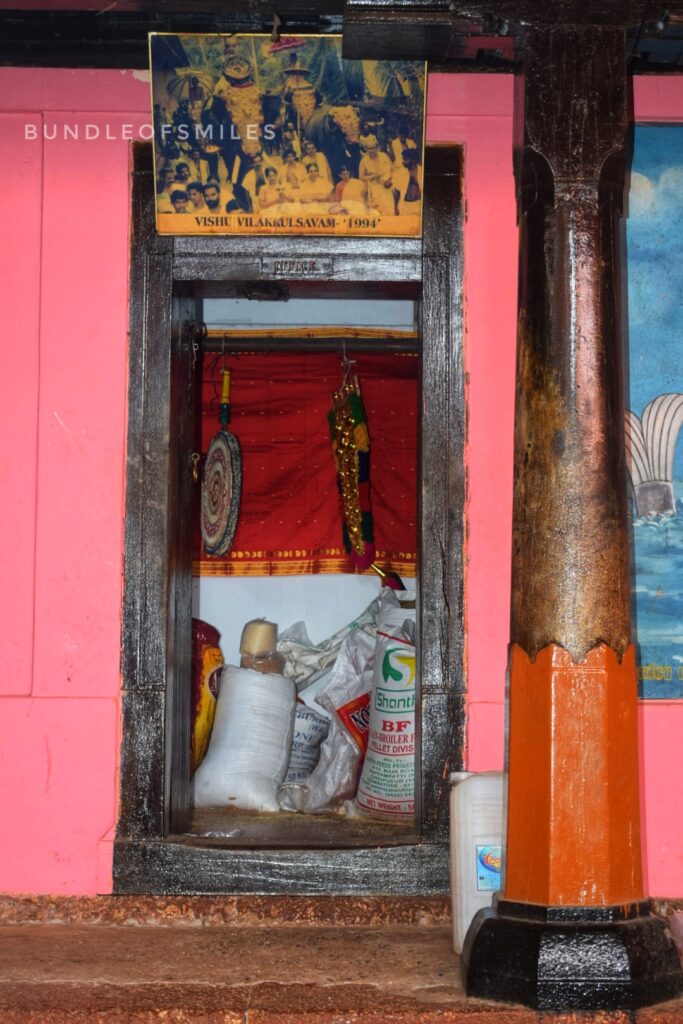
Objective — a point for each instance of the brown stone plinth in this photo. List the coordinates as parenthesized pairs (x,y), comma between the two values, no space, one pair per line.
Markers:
(195,968)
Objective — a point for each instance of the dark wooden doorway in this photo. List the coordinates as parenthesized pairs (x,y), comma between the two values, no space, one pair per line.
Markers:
(169,279)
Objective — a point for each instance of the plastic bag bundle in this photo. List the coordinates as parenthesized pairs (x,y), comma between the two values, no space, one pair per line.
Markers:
(250,744)
(387,785)
(332,781)
(345,697)
(395,606)
(309,694)
(304,661)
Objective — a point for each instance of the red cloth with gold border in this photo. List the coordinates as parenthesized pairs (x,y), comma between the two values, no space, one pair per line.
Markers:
(290,512)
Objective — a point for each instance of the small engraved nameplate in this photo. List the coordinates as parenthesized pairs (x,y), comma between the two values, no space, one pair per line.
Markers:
(295,267)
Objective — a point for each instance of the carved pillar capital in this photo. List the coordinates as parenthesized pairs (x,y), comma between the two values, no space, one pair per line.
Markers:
(575,112)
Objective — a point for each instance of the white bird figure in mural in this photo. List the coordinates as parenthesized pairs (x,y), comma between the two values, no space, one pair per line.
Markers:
(650,449)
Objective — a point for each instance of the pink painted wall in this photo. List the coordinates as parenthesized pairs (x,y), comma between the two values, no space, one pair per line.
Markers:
(64,268)
(64,261)
(477,111)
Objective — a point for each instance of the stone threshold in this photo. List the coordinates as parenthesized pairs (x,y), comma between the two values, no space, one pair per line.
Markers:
(212,911)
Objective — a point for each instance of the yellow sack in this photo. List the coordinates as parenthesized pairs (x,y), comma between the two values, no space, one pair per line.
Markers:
(207,665)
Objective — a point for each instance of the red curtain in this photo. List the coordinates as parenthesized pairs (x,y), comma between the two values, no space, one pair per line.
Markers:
(290,514)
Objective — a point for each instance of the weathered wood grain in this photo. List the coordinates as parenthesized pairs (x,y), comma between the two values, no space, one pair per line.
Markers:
(183,867)
(570,576)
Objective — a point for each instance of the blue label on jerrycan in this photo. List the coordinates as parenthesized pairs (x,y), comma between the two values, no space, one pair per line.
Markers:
(489,860)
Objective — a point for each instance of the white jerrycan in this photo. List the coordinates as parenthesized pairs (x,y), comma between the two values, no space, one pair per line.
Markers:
(476,845)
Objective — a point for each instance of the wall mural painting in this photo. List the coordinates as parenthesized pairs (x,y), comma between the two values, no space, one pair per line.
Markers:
(654,401)
(255,136)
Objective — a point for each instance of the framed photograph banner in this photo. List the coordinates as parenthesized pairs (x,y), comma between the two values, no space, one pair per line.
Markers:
(260,137)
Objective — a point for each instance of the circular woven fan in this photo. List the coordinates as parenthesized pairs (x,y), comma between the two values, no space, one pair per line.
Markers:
(221,488)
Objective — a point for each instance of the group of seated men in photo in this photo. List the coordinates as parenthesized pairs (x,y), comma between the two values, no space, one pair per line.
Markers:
(297,178)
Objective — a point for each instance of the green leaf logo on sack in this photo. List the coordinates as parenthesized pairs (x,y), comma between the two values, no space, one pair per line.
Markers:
(387,786)
(399,666)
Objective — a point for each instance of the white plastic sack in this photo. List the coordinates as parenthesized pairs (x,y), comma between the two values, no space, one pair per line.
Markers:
(250,743)
(310,729)
(387,785)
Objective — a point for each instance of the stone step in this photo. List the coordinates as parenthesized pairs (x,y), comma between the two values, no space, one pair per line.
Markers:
(246,961)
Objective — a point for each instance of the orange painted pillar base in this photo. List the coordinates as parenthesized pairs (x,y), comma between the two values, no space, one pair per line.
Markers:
(573,832)
(573,929)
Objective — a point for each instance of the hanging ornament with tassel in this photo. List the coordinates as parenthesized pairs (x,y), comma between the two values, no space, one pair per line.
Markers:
(351,447)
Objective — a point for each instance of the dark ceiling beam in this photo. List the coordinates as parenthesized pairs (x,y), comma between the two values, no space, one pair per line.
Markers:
(188,8)
(619,13)
(593,12)
(475,33)
(115,39)
(433,35)
(470,35)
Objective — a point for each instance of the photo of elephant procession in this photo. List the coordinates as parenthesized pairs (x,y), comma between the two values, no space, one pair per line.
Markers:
(260,136)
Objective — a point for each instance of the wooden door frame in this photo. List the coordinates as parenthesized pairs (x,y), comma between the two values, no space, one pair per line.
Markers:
(150,852)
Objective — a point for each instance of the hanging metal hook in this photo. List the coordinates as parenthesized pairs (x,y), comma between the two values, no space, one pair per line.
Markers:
(215,371)
(275,34)
(346,367)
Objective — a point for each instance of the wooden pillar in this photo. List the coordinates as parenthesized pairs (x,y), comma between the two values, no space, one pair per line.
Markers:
(572,928)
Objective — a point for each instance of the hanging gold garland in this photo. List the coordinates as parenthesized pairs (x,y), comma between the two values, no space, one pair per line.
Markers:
(351,447)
